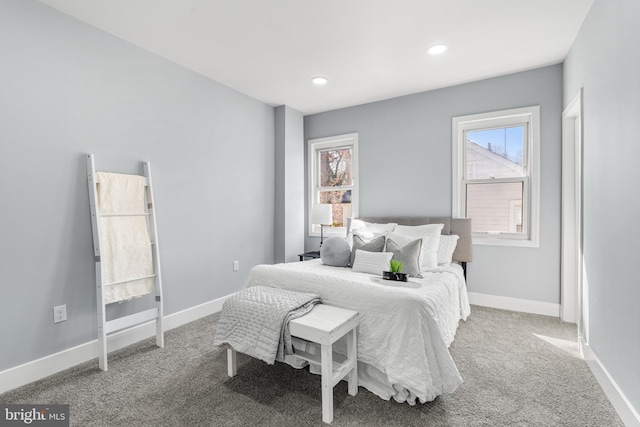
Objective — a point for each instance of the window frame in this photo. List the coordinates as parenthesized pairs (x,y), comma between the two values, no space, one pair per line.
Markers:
(321,144)
(530,117)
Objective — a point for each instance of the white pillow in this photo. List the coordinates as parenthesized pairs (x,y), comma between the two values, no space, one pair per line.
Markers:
(368,230)
(372,262)
(446,248)
(430,235)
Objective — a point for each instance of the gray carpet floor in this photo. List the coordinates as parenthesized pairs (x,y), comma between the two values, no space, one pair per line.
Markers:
(518,370)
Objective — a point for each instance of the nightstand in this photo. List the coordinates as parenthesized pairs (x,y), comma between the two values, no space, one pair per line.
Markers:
(310,255)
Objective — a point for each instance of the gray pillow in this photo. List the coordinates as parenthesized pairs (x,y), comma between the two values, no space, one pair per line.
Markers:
(373,245)
(335,251)
(408,254)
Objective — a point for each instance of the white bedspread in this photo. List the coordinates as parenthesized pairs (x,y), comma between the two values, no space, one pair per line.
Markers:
(405,328)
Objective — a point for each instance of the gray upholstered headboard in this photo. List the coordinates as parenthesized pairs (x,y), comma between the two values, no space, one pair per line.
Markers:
(459,226)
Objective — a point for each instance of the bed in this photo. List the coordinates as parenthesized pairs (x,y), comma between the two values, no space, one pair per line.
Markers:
(405,328)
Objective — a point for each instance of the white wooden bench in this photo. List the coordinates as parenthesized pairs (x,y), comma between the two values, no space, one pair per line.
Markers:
(323,325)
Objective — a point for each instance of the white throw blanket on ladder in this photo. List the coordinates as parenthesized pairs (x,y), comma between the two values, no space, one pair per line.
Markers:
(125,247)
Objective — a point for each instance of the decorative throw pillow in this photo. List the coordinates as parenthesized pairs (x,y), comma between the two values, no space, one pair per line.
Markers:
(368,230)
(335,251)
(374,245)
(371,262)
(430,235)
(446,248)
(407,251)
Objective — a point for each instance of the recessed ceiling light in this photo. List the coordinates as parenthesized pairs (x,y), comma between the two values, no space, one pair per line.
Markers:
(319,80)
(437,49)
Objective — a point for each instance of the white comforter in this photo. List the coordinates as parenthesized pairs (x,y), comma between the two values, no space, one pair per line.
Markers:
(405,328)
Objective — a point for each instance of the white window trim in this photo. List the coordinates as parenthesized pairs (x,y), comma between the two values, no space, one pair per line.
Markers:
(500,119)
(312,168)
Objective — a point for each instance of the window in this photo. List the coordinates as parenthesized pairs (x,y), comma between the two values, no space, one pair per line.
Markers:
(333,179)
(496,175)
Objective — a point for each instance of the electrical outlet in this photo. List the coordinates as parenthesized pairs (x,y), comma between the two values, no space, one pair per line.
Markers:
(60,313)
(236,265)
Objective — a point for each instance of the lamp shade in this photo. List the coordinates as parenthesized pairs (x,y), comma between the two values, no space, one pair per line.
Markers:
(321,214)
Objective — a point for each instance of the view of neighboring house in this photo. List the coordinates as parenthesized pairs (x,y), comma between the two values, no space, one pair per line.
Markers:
(493,206)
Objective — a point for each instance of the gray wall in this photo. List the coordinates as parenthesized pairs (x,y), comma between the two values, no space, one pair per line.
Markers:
(67,89)
(405,169)
(289,179)
(605,62)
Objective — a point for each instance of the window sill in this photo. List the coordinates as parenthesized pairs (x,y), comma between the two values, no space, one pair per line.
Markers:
(331,232)
(488,241)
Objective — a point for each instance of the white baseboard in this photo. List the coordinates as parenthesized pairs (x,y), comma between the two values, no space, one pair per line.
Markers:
(628,414)
(515,304)
(37,369)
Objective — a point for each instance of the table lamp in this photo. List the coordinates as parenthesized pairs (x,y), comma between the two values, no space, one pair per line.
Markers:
(321,214)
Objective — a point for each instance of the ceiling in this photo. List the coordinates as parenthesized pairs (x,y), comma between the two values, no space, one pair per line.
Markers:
(368,49)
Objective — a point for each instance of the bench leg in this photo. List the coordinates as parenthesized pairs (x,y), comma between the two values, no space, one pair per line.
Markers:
(232,367)
(352,355)
(327,383)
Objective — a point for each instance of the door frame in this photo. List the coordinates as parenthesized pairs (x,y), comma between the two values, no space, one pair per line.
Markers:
(571,297)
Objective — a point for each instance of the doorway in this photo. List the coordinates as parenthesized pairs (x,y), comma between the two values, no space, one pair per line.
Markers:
(573,300)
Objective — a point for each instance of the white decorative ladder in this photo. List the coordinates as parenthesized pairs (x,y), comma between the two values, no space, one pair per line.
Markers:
(105,328)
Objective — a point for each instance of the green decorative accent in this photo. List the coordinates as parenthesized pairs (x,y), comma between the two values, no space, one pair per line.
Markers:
(395,266)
